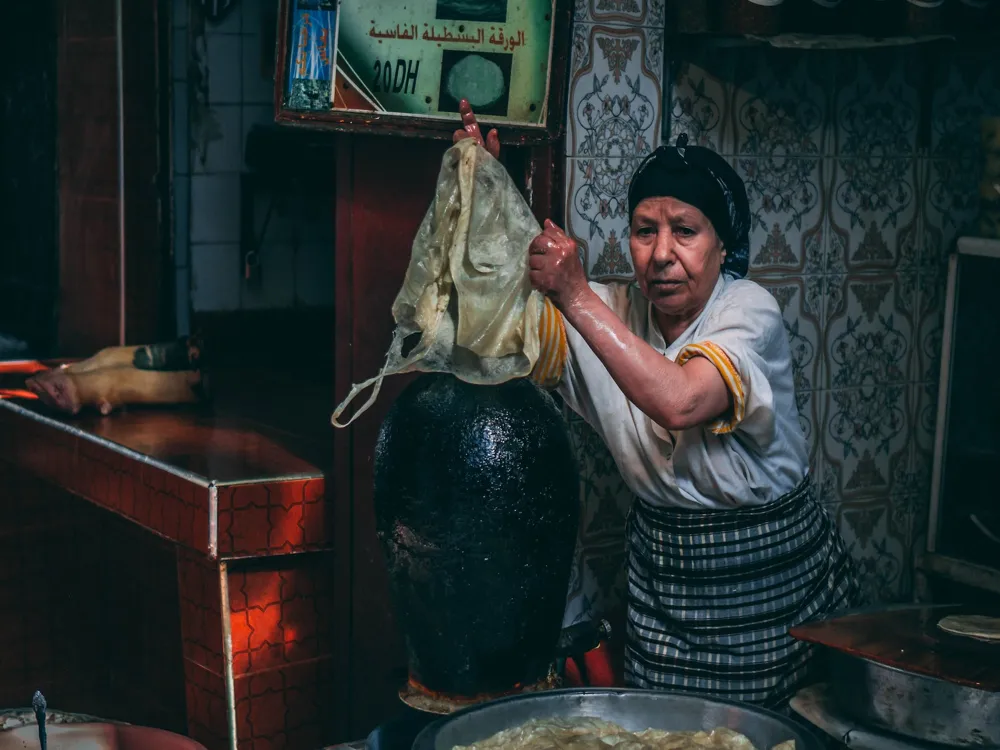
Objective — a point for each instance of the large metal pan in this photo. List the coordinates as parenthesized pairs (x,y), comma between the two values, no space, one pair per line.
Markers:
(634,710)
(917,706)
(948,695)
(96,737)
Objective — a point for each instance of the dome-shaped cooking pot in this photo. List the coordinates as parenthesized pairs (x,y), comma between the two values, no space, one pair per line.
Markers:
(477,506)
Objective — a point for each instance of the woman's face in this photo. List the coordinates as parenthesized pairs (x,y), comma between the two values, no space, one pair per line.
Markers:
(676,254)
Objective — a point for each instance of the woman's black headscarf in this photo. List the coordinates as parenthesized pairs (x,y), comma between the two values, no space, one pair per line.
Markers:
(701,178)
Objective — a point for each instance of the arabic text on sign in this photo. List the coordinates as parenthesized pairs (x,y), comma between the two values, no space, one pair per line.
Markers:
(497,38)
(313,47)
(431,35)
(507,42)
(406,32)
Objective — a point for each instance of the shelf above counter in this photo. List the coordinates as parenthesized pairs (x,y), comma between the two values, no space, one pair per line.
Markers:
(979,246)
(960,571)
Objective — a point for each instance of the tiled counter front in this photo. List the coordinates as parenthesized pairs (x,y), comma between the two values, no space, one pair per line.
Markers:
(258,660)
(165,570)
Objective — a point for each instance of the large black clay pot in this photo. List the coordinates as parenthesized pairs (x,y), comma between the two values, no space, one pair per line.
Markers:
(477,506)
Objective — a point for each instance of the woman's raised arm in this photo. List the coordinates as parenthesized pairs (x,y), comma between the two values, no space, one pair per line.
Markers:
(676,397)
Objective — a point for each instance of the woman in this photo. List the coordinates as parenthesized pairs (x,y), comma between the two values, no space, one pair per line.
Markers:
(687,377)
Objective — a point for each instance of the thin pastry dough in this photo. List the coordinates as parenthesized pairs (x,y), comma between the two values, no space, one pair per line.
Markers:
(583,733)
(980,627)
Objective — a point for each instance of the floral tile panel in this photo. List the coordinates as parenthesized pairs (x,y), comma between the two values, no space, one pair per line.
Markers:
(869,329)
(598,583)
(873,214)
(916,479)
(597,214)
(579,58)
(781,103)
(605,498)
(812,416)
(877,103)
(929,332)
(786,203)
(866,437)
(597,579)
(614,98)
(880,556)
(907,526)
(700,93)
(801,302)
(827,477)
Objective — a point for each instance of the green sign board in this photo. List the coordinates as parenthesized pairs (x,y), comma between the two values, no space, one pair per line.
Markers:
(419,58)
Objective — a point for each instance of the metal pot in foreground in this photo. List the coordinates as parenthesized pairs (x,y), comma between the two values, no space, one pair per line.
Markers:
(893,668)
(477,507)
(635,710)
(105,736)
(916,706)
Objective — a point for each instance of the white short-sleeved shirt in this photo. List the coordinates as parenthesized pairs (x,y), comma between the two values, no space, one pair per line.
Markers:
(753,458)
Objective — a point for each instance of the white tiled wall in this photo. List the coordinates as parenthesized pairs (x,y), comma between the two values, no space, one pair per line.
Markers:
(211,123)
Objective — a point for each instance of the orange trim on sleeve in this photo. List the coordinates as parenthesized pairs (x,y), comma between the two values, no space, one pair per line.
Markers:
(718,357)
(553,349)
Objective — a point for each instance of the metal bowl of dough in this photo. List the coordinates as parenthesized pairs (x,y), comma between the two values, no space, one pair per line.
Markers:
(635,710)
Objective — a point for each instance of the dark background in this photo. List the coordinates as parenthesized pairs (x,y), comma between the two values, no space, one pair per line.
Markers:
(29,223)
(483,11)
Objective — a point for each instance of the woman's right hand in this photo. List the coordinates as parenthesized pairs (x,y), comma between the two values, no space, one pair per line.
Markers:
(554,267)
(470,129)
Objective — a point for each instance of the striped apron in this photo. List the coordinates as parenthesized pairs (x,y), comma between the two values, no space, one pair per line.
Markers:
(712,595)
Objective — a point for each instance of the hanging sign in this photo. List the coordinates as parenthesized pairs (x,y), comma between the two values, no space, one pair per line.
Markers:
(418,58)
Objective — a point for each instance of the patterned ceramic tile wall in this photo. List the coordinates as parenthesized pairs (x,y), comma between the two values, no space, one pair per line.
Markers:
(861,168)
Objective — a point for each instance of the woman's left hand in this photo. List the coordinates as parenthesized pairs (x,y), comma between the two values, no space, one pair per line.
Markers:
(554,266)
(470,129)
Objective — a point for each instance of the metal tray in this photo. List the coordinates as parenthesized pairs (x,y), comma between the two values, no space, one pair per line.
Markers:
(635,710)
(97,737)
(913,705)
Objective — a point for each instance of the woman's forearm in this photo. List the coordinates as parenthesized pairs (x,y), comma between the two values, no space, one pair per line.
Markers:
(674,397)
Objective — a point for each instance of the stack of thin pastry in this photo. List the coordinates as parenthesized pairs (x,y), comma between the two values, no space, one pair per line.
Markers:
(980,627)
